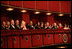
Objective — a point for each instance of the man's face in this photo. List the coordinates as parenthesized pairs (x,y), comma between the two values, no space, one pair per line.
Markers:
(12,22)
(17,22)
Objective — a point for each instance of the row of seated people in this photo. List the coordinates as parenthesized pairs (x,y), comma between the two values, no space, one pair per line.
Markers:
(14,25)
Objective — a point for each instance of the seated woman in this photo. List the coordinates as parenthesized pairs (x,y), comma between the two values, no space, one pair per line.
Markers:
(60,26)
(8,25)
(23,26)
(3,27)
(42,25)
(37,25)
(66,27)
(47,26)
(55,26)
(31,25)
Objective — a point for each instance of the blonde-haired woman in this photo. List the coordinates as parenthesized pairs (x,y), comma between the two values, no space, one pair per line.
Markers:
(23,26)
(66,27)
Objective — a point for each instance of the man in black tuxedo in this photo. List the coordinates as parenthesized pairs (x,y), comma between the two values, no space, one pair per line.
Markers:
(27,25)
(42,26)
(31,25)
(12,25)
(37,26)
(17,25)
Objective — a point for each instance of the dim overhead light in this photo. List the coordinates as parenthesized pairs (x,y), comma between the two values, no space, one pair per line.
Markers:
(9,9)
(36,12)
(61,47)
(61,14)
(23,11)
(48,13)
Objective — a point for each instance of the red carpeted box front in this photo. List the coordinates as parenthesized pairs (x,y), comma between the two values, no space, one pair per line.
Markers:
(16,41)
(36,40)
(69,38)
(48,39)
(3,42)
(10,42)
(58,38)
(25,41)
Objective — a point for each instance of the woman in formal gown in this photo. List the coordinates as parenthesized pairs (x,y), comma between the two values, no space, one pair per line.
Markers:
(66,27)
(23,25)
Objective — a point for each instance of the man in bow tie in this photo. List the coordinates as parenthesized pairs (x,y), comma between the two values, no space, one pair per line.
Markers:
(12,25)
(17,25)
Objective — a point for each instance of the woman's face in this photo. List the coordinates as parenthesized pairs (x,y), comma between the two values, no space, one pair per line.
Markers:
(23,22)
(38,23)
(31,23)
(8,23)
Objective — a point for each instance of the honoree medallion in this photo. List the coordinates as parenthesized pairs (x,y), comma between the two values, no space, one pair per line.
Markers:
(65,38)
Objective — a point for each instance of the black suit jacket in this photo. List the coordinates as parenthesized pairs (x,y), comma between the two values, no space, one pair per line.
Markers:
(11,28)
(16,27)
(30,27)
(3,28)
